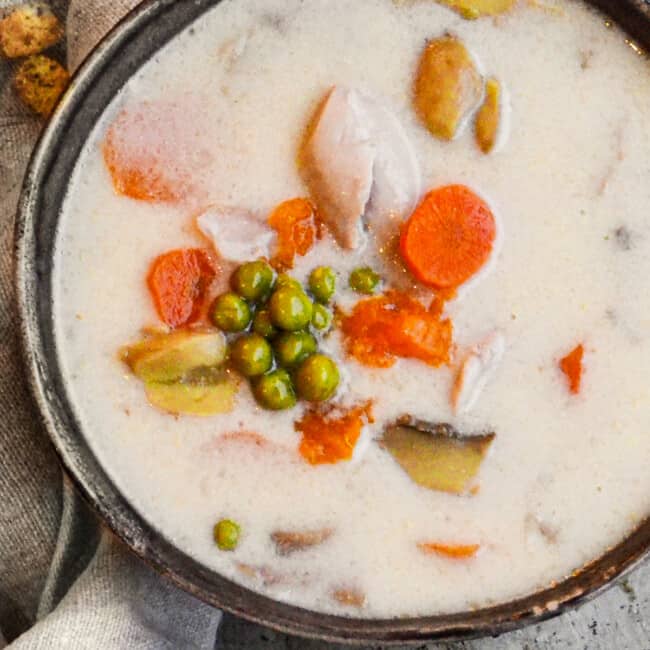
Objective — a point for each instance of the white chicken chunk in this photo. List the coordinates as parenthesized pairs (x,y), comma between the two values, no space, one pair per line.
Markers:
(475,371)
(359,165)
(236,234)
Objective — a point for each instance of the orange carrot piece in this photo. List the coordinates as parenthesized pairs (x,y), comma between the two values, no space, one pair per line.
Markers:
(572,367)
(329,438)
(453,551)
(141,152)
(296,224)
(178,282)
(449,237)
(396,325)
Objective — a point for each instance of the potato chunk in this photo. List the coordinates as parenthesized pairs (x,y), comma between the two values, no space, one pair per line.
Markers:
(29,30)
(472,9)
(39,82)
(200,399)
(488,117)
(447,86)
(170,357)
(436,456)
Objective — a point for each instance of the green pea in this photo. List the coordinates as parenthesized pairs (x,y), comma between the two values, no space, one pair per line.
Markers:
(226,535)
(292,348)
(290,309)
(285,280)
(230,313)
(263,325)
(322,283)
(253,280)
(252,355)
(317,378)
(321,317)
(275,391)
(364,280)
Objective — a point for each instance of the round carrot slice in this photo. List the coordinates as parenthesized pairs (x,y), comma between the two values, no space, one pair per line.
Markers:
(178,282)
(449,237)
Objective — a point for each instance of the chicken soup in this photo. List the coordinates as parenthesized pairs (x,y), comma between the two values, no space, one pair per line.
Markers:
(351,297)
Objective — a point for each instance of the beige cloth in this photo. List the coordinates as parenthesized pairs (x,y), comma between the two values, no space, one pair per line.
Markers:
(64,583)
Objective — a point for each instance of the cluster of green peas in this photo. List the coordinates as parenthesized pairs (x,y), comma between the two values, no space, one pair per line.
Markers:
(277,332)
(277,350)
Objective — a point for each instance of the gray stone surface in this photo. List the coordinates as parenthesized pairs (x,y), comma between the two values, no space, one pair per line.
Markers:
(617,620)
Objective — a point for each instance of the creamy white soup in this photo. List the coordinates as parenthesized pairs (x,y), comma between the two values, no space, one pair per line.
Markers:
(465,417)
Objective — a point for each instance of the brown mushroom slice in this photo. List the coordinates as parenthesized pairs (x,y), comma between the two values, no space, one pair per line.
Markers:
(29,29)
(349,597)
(472,9)
(169,357)
(437,456)
(289,542)
(448,86)
(200,399)
(488,117)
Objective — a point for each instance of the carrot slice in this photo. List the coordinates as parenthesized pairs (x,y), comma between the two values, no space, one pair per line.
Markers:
(453,551)
(449,237)
(297,228)
(178,282)
(572,367)
(146,151)
(396,325)
(328,438)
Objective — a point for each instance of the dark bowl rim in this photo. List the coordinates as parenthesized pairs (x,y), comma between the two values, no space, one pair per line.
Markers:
(31,275)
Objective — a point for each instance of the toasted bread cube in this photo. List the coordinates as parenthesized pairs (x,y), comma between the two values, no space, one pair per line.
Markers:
(28,30)
(39,82)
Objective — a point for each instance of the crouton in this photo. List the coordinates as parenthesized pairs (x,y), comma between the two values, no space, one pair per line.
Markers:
(39,82)
(28,30)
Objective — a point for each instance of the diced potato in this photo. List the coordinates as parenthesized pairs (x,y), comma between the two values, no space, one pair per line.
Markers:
(169,357)
(28,30)
(435,456)
(472,9)
(39,82)
(193,399)
(288,542)
(447,87)
(488,117)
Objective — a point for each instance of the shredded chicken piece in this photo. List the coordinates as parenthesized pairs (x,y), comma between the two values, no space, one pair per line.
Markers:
(475,371)
(236,234)
(359,165)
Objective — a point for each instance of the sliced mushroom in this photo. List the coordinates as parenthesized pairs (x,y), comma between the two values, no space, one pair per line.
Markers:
(358,162)
(475,371)
(436,456)
(236,234)
(289,542)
